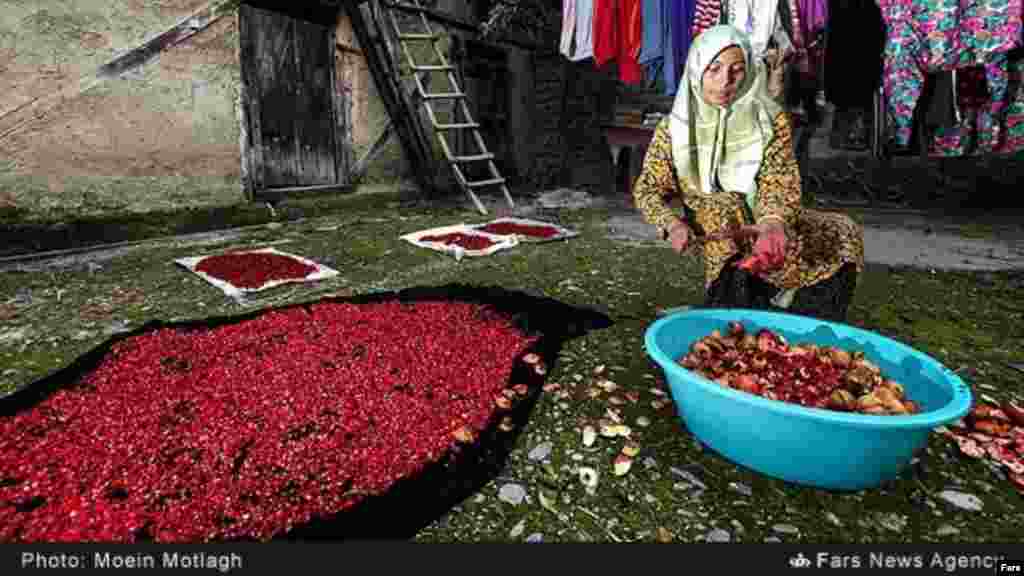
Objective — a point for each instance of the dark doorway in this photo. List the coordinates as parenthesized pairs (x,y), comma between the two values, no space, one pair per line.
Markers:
(485,66)
(296,131)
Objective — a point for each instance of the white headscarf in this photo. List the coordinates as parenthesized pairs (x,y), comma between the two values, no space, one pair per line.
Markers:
(710,141)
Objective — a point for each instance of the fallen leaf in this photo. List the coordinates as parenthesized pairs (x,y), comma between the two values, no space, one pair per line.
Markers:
(631,449)
(663,535)
(613,415)
(531,358)
(633,397)
(551,387)
(549,469)
(658,392)
(589,436)
(593,392)
(503,402)
(607,385)
(616,401)
(506,424)
(517,530)
(540,369)
(622,464)
(521,389)
(599,369)
(547,502)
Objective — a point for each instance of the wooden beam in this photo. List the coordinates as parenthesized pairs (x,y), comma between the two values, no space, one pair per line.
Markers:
(178,33)
(359,170)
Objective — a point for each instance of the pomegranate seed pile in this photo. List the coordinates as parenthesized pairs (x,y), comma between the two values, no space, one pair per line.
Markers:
(509,228)
(467,241)
(245,430)
(253,269)
(820,377)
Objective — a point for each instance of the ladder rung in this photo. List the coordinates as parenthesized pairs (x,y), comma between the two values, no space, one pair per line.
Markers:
(430,37)
(434,68)
(473,158)
(482,183)
(457,126)
(444,96)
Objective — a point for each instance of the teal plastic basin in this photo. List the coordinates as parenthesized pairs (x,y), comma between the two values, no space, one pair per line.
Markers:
(810,446)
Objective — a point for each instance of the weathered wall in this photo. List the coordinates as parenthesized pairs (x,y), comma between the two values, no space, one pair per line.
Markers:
(167,135)
(369,116)
(164,135)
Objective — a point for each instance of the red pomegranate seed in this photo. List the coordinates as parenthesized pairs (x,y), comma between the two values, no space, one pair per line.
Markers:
(245,430)
(509,228)
(467,241)
(253,269)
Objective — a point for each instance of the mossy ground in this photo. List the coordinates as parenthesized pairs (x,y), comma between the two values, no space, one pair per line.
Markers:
(53,312)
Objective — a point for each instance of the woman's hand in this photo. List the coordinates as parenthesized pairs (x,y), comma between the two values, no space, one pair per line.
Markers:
(679,236)
(769,249)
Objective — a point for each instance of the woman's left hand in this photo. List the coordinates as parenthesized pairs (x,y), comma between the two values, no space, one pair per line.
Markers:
(769,249)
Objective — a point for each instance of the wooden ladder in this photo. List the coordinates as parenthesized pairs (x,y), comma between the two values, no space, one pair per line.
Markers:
(454,92)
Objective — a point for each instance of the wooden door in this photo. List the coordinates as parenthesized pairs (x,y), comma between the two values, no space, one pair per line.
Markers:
(296,131)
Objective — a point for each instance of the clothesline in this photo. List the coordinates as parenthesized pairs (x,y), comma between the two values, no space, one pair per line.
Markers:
(649,39)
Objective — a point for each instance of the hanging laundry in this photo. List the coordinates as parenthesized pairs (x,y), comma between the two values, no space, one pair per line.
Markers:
(942,35)
(631,37)
(568,28)
(634,13)
(707,13)
(811,18)
(655,32)
(582,28)
(605,32)
(755,17)
(973,98)
(617,37)
(680,14)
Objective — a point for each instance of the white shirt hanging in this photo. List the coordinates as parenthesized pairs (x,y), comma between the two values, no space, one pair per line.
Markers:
(757,18)
(568,27)
(584,30)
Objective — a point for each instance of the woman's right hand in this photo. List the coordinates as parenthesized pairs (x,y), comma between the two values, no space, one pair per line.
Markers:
(679,236)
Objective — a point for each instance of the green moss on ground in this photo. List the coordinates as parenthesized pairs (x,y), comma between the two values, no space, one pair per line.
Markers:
(972,321)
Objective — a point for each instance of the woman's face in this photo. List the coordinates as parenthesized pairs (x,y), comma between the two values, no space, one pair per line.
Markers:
(724,76)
